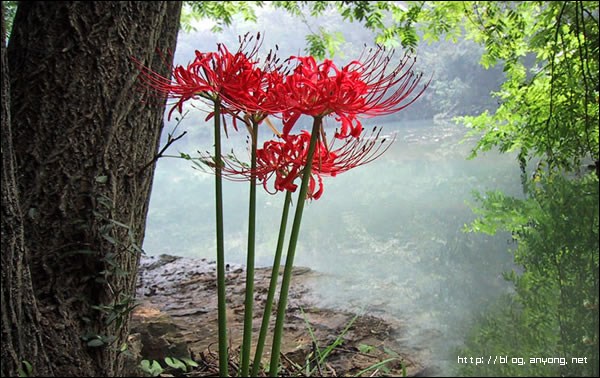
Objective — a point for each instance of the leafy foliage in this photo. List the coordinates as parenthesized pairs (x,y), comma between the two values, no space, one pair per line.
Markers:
(548,103)
(371,14)
(10,9)
(324,42)
(554,312)
(153,368)
(549,100)
(221,12)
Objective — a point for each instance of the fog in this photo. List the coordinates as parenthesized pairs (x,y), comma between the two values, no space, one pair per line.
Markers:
(388,236)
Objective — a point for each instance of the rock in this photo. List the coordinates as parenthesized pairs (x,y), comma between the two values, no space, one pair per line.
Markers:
(161,338)
(133,357)
(161,261)
(177,317)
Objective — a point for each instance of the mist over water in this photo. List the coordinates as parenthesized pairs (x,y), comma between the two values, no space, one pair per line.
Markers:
(388,236)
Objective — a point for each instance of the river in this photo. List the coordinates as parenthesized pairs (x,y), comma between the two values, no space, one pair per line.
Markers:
(388,235)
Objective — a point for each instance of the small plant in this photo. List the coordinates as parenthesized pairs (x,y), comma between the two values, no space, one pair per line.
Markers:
(181,363)
(151,367)
(115,312)
(94,340)
(318,357)
(365,348)
(154,368)
(26,370)
(321,355)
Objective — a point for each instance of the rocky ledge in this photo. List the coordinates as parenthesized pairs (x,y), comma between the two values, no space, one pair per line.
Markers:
(177,317)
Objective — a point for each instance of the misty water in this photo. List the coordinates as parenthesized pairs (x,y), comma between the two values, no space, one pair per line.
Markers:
(388,236)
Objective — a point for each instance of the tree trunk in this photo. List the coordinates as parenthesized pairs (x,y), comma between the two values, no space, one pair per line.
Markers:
(82,139)
(21,340)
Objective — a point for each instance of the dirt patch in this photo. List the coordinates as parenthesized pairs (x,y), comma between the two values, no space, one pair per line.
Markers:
(177,317)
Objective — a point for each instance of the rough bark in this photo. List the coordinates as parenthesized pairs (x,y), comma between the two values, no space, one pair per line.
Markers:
(81,136)
(21,340)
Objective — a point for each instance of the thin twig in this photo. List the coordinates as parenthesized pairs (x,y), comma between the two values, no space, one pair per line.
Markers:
(289,361)
(331,369)
(170,141)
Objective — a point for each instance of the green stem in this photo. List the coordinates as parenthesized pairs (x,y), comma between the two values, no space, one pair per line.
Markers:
(221,306)
(249,301)
(260,345)
(289,261)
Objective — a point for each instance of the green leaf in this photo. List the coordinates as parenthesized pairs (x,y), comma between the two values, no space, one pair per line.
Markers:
(32,213)
(104,201)
(26,370)
(109,339)
(95,343)
(175,363)
(100,280)
(365,348)
(111,318)
(101,179)
(105,229)
(189,362)
(110,239)
(390,352)
(151,367)
(119,223)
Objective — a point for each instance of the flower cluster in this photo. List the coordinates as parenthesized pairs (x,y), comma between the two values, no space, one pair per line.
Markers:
(233,79)
(250,92)
(239,86)
(367,89)
(284,159)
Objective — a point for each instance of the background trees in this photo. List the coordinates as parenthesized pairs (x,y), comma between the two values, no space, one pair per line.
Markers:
(547,52)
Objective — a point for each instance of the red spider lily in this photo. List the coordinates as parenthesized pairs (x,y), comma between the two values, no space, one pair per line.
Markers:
(286,158)
(253,91)
(249,97)
(366,88)
(230,78)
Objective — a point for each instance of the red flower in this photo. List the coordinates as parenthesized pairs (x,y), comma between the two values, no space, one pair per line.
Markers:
(253,91)
(366,88)
(213,76)
(285,159)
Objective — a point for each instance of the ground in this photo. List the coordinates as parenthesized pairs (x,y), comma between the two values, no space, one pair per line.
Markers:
(177,317)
